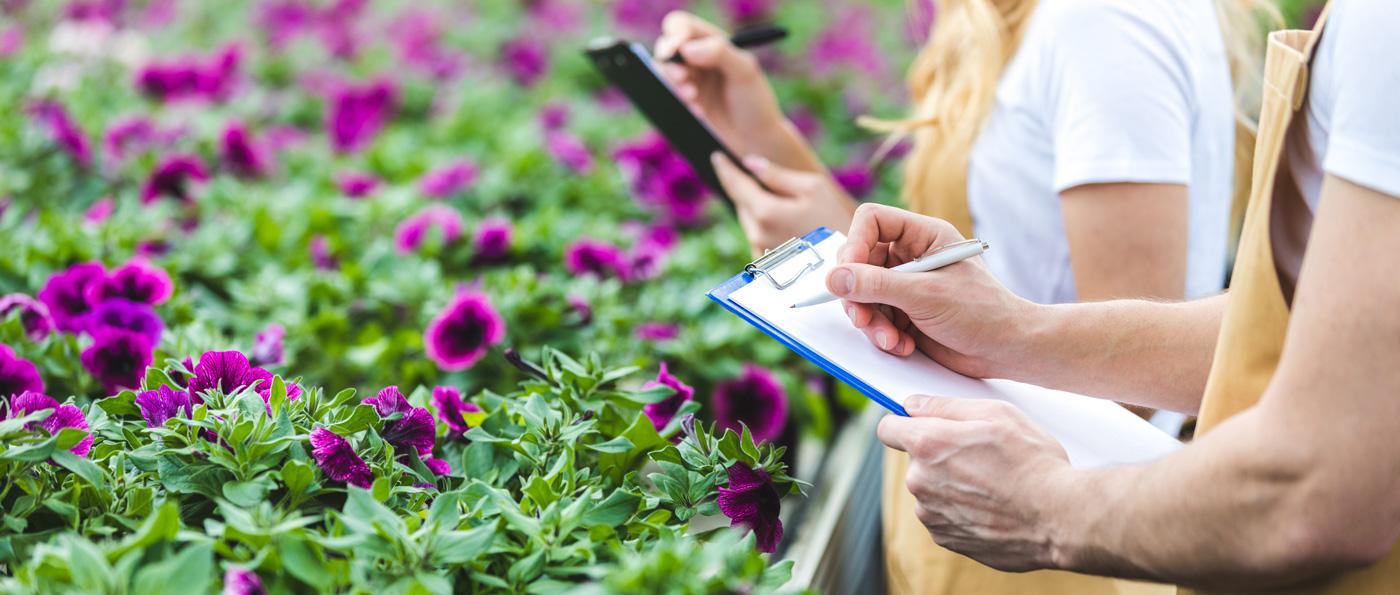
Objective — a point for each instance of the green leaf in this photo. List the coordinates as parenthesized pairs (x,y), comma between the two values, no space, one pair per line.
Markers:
(122,404)
(527,568)
(31,453)
(81,467)
(361,507)
(190,570)
(614,510)
(301,561)
(616,445)
(460,547)
(297,477)
(361,418)
(380,489)
(249,493)
(69,437)
(162,526)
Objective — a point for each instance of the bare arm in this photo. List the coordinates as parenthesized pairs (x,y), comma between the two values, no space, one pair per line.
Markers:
(1127,240)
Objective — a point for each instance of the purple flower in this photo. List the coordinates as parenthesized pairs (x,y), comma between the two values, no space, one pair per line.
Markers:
(413,230)
(104,11)
(241,581)
(227,372)
(643,17)
(388,401)
(172,179)
(357,113)
(847,43)
(191,77)
(492,241)
(118,358)
(162,404)
(282,20)
(63,416)
(356,184)
(100,210)
(581,308)
(128,136)
(462,333)
(753,501)
(11,40)
(662,178)
(125,315)
(448,180)
(437,466)
(241,153)
(748,11)
(64,132)
(656,331)
(418,35)
(525,60)
(33,315)
(754,399)
(856,179)
(321,255)
(66,295)
(555,15)
(413,430)
(661,413)
(569,151)
(554,116)
(337,459)
(17,375)
(645,261)
(267,345)
(136,281)
(805,122)
(452,410)
(600,259)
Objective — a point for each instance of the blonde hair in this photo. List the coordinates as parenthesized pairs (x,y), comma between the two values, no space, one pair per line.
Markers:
(953,82)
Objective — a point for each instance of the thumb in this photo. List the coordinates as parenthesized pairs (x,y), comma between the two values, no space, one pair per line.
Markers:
(738,185)
(718,53)
(947,407)
(784,181)
(868,284)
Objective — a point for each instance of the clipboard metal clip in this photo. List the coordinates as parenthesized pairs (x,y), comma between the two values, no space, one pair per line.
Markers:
(780,257)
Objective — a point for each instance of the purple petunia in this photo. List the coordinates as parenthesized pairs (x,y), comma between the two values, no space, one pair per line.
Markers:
(599,259)
(452,410)
(241,581)
(33,315)
(64,132)
(388,401)
(753,501)
(356,184)
(754,399)
(661,413)
(413,230)
(569,151)
(492,242)
(847,43)
(437,466)
(128,136)
(17,375)
(555,15)
(100,210)
(462,333)
(11,40)
(63,416)
(227,372)
(172,178)
(66,295)
(136,281)
(855,179)
(448,180)
(118,358)
(357,113)
(242,154)
(414,430)
(554,116)
(337,459)
(162,404)
(525,59)
(656,331)
(321,255)
(663,179)
(267,345)
(748,11)
(192,77)
(643,17)
(581,308)
(418,35)
(125,315)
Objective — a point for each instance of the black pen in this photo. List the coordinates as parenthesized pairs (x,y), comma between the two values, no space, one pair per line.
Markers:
(746,38)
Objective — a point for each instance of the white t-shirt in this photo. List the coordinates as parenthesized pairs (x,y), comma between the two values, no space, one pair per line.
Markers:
(1353,110)
(1105,91)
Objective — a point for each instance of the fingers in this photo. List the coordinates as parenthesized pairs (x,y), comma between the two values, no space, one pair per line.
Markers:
(869,284)
(738,185)
(910,235)
(879,328)
(918,436)
(950,408)
(790,182)
(717,53)
(679,27)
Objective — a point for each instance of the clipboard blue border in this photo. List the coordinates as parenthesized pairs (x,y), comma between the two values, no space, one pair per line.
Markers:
(721,295)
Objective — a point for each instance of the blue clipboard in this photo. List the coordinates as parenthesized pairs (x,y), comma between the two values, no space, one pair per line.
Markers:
(795,247)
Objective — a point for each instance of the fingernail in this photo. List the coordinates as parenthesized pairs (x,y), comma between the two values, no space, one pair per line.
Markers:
(756,163)
(915,402)
(842,282)
(851,313)
(883,339)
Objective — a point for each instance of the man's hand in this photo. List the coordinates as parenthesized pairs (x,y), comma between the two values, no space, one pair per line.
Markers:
(800,202)
(976,468)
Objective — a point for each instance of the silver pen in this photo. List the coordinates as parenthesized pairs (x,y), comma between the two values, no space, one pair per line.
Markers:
(936,259)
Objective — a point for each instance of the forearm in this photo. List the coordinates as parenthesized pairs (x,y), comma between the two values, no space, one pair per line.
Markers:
(786,146)
(1138,352)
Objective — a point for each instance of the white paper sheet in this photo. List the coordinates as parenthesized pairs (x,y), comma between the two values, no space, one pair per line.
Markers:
(1094,432)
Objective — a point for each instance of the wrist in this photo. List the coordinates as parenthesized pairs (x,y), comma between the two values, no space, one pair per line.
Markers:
(1065,535)
(1032,333)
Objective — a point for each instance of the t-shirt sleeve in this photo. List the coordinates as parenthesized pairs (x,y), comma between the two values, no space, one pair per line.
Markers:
(1364,141)
(1119,96)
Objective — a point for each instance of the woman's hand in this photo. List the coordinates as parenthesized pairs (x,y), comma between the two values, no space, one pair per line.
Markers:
(800,201)
(725,86)
(958,315)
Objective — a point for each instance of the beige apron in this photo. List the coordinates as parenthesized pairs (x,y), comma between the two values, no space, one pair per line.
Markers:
(1256,321)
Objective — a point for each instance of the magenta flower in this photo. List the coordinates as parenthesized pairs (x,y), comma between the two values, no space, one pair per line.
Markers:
(448,180)
(136,281)
(418,35)
(414,430)
(753,501)
(357,184)
(125,315)
(663,179)
(162,404)
(452,410)
(645,261)
(100,210)
(241,581)
(554,116)
(661,413)
(33,315)
(643,17)
(388,401)
(656,331)
(321,255)
(437,466)
(581,308)
(17,375)
(267,345)
(11,40)
(599,259)
(337,459)
(754,399)
(525,59)
(127,136)
(118,358)
(555,15)
(172,179)
(283,20)
(66,295)
(64,132)
(190,77)
(357,114)
(856,179)
(848,43)
(748,11)
(413,230)
(569,151)
(241,153)
(492,241)
(227,372)
(463,332)
(63,416)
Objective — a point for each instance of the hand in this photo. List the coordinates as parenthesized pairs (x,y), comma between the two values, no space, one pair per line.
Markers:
(980,471)
(725,86)
(800,202)
(958,315)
